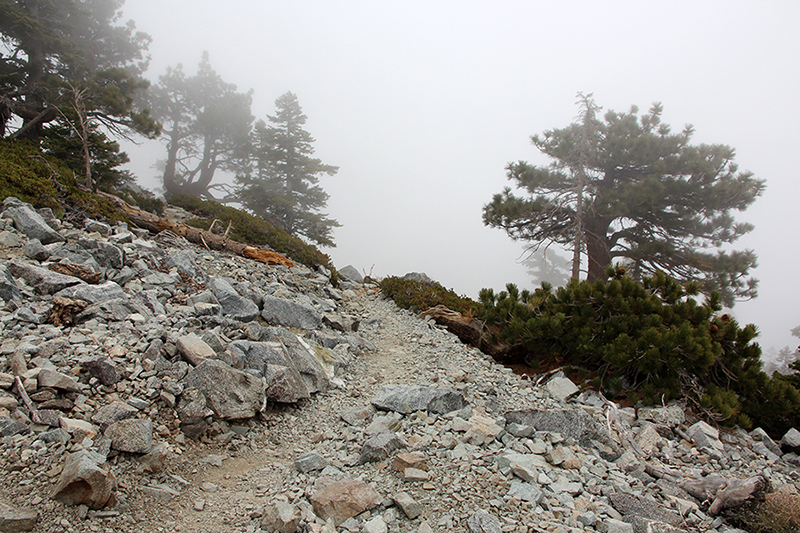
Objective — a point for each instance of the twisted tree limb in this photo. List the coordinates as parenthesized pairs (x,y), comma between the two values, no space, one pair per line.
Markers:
(212,241)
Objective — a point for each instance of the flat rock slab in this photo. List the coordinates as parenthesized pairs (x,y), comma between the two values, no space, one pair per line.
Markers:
(42,280)
(14,519)
(574,423)
(408,399)
(344,499)
(93,294)
(133,435)
(290,314)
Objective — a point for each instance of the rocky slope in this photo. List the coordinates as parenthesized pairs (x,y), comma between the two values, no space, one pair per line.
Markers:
(150,385)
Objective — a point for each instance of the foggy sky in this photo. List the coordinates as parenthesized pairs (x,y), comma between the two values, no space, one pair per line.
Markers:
(422,104)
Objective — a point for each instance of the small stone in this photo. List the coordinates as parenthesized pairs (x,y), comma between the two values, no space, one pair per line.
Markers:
(483,522)
(410,507)
(199,505)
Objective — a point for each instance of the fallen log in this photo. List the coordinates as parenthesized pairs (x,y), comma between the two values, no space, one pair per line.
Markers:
(468,330)
(212,241)
(722,493)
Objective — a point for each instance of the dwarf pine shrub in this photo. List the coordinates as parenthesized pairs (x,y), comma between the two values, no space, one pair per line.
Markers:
(419,296)
(650,339)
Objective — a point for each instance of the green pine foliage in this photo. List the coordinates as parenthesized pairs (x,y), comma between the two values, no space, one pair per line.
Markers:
(419,296)
(651,339)
(253,230)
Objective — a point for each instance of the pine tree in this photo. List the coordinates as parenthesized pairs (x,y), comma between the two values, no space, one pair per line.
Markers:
(627,189)
(283,185)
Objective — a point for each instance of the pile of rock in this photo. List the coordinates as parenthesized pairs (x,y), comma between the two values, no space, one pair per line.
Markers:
(124,355)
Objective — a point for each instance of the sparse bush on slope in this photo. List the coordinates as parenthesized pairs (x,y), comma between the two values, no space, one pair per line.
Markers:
(420,296)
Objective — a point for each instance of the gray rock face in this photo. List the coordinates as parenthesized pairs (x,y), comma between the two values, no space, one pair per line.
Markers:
(184,261)
(301,353)
(105,253)
(290,314)
(483,522)
(193,411)
(381,446)
(34,249)
(791,441)
(351,273)
(705,436)
(16,519)
(233,305)
(94,293)
(132,435)
(84,481)
(9,290)
(32,224)
(114,310)
(574,423)
(230,393)
(113,412)
(629,505)
(407,399)
(284,384)
(42,280)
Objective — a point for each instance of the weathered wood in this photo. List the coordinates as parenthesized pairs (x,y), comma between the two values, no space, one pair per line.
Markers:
(469,330)
(212,241)
(737,492)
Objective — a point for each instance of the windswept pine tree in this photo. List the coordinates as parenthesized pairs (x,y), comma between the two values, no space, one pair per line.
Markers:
(628,190)
(283,183)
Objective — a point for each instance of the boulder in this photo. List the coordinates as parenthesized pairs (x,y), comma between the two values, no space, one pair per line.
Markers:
(32,224)
(381,446)
(483,522)
(281,517)
(705,436)
(113,412)
(106,254)
(233,305)
(194,349)
(791,441)
(575,423)
(85,481)
(290,314)
(561,387)
(344,499)
(350,273)
(9,290)
(132,435)
(42,280)
(407,399)
(17,519)
(230,393)
(93,293)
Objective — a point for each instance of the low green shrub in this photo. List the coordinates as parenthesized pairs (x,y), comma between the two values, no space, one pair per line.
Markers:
(253,230)
(44,181)
(420,296)
(652,339)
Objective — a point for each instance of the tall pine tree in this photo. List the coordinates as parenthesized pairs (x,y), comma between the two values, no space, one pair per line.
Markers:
(646,197)
(283,185)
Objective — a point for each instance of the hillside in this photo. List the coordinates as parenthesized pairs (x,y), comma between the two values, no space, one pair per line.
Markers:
(150,384)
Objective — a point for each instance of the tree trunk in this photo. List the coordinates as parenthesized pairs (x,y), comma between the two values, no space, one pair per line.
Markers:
(212,241)
(598,250)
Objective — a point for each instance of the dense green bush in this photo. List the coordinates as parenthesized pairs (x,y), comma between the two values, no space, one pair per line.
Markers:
(419,296)
(253,230)
(44,181)
(650,340)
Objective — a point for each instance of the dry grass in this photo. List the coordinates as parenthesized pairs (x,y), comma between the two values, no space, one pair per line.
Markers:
(779,512)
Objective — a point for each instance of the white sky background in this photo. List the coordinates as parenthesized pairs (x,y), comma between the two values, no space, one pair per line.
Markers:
(422,104)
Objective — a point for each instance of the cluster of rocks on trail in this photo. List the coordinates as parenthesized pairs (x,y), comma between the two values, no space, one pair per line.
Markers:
(150,385)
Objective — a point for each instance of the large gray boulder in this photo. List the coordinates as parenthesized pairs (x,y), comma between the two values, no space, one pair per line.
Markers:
(233,304)
(231,394)
(351,274)
(31,223)
(290,314)
(9,290)
(185,262)
(575,423)
(305,356)
(284,383)
(105,253)
(131,435)
(42,280)
(407,399)
(93,293)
